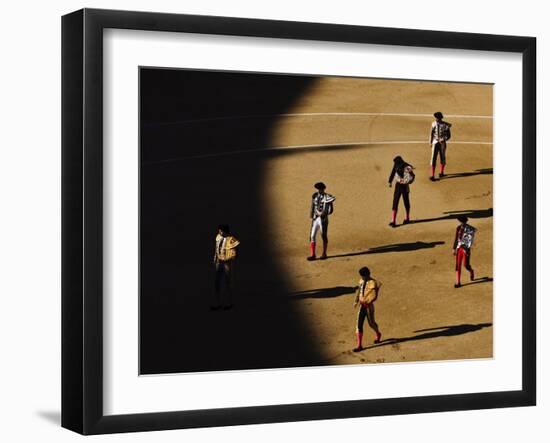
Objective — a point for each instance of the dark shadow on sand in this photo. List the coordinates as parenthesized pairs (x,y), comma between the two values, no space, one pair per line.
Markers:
(181,204)
(484,171)
(337,291)
(397,247)
(441,331)
(452,215)
(478,280)
(268,152)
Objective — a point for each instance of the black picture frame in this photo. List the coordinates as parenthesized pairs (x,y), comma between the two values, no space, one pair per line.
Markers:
(82,218)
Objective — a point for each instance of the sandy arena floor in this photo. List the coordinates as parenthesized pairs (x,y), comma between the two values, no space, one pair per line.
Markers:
(344,132)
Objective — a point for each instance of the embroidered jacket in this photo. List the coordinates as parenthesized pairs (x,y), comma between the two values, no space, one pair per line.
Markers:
(367,291)
(226,248)
(464,236)
(321,205)
(402,174)
(441,132)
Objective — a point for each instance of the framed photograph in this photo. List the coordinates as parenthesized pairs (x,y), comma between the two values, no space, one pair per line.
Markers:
(269,221)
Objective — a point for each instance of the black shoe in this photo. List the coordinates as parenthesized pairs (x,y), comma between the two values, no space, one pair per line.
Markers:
(457,285)
(472,275)
(358,349)
(392,224)
(406,222)
(215,308)
(323,257)
(228,307)
(432,178)
(311,258)
(441,175)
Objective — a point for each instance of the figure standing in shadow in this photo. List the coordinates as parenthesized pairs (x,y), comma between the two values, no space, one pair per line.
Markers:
(225,254)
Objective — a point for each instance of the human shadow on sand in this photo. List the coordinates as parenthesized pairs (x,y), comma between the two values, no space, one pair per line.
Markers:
(397,247)
(478,280)
(484,171)
(441,331)
(452,215)
(337,291)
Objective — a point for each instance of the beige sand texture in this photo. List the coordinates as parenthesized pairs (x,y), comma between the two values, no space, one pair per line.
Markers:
(421,315)
(344,132)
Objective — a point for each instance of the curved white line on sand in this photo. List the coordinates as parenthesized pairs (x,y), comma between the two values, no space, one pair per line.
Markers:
(296,147)
(318,114)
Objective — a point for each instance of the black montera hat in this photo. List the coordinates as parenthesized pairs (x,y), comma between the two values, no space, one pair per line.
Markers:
(224,228)
(364,272)
(319,185)
(438,115)
(462,219)
(398,159)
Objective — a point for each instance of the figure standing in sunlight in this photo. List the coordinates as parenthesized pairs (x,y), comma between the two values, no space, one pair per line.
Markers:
(439,135)
(367,293)
(404,176)
(321,207)
(462,248)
